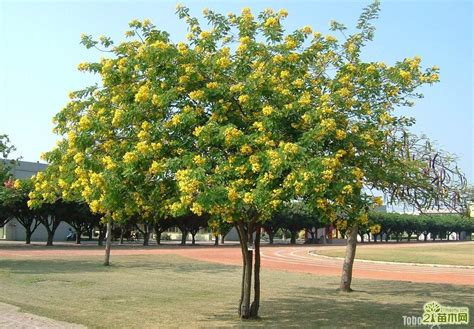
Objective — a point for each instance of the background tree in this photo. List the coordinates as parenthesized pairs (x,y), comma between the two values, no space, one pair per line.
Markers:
(5,163)
(13,204)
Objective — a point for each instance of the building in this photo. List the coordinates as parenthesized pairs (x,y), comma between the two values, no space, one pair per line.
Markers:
(14,231)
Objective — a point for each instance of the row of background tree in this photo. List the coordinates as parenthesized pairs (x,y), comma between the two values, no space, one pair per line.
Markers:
(291,221)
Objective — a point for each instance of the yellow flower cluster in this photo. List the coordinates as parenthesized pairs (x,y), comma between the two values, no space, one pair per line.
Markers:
(232,194)
(212,85)
(246,149)
(196,95)
(378,200)
(109,163)
(255,162)
(290,148)
(84,123)
(130,157)
(328,124)
(340,134)
(143,94)
(347,189)
(231,134)
(267,110)
(305,99)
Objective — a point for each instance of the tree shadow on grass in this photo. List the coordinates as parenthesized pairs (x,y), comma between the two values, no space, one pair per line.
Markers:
(380,305)
(90,264)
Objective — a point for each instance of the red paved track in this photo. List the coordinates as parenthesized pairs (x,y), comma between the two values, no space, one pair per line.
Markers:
(287,258)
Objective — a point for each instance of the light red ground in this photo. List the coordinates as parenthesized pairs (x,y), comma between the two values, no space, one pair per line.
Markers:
(286,258)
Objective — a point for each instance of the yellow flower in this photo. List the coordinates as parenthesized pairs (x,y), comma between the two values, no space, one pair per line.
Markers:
(307,29)
(290,148)
(79,157)
(230,134)
(298,83)
(232,194)
(85,123)
(305,99)
(328,124)
(248,198)
(130,157)
(255,162)
(197,209)
(246,149)
(212,85)
(284,74)
(283,13)
(378,200)
(142,147)
(199,160)
(347,189)
(244,99)
(143,94)
(196,95)
(267,110)
(197,131)
(108,162)
(17,184)
(271,21)
(330,38)
(236,88)
(205,35)
(259,126)
(340,134)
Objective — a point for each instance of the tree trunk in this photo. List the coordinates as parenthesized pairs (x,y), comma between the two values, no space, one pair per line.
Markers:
(78,236)
(216,239)
(346,278)
(222,238)
(158,237)
(146,238)
(28,236)
(49,240)
(121,234)
(256,285)
(108,242)
(184,235)
(293,237)
(248,248)
(271,236)
(193,237)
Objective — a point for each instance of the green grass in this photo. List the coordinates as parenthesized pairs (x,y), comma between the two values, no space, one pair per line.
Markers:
(432,253)
(170,291)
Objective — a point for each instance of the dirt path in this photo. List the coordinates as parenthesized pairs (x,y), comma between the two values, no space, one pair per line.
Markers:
(287,258)
(11,317)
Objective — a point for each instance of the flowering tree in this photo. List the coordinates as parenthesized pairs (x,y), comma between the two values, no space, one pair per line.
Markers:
(234,123)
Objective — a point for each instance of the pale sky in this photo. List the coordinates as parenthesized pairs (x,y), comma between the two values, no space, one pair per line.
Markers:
(40,51)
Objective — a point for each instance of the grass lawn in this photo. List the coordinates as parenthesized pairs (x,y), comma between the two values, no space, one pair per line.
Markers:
(170,291)
(431,253)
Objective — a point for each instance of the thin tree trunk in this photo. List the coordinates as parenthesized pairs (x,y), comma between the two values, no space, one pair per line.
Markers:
(122,229)
(256,285)
(222,238)
(271,236)
(158,237)
(193,237)
(293,237)
(78,236)
(49,241)
(346,278)
(108,243)
(28,236)
(246,236)
(216,239)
